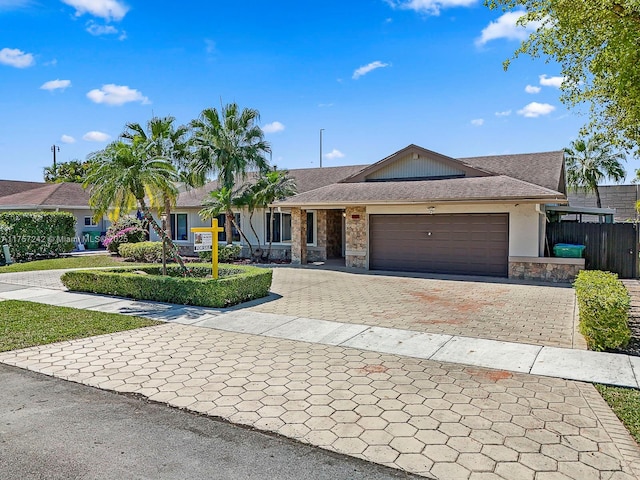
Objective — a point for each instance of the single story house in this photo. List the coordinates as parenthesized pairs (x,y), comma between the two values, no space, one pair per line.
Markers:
(415,210)
(40,196)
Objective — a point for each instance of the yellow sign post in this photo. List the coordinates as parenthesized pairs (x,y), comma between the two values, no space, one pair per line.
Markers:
(213,230)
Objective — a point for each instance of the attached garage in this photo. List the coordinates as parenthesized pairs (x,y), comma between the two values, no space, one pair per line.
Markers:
(469,244)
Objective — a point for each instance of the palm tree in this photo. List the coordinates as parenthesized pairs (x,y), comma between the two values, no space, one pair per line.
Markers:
(272,186)
(223,200)
(591,161)
(123,176)
(162,139)
(228,143)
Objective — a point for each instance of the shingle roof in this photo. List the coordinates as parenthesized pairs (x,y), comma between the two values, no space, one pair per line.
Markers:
(10,187)
(544,169)
(492,188)
(306,179)
(47,195)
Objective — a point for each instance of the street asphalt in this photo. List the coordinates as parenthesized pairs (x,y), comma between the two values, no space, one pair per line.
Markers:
(57,430)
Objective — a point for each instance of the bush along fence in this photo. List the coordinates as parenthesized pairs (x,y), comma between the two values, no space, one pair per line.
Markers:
(32,235)
(236,284)
(603,302)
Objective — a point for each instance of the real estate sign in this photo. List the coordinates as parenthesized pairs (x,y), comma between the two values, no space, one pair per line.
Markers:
(202,242)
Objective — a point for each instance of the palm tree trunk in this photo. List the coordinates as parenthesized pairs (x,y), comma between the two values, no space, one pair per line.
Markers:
(228,222)
(255,234)
(243,236)
(598,201)
(270,232)
(167,212)
(173,250)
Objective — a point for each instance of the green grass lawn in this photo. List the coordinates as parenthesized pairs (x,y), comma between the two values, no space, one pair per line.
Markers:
(625,402)
(81,261)
(27,324)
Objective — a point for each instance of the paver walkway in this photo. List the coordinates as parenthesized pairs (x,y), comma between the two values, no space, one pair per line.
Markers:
(439,420)
(474,307)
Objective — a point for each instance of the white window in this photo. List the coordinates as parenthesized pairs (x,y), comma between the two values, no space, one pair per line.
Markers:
(88,222)
(179,230)
(282,227)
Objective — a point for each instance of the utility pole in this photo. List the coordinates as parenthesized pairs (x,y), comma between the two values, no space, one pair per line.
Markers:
(54,149)
(321,130)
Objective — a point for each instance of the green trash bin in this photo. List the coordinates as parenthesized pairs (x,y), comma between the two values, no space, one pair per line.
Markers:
(567,250)
(91,240)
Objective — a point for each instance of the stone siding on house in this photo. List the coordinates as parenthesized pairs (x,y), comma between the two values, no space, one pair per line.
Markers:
(356,235)
(546,269)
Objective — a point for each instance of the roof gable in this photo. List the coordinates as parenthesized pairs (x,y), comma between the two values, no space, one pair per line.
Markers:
(416,163)
(545,168)
(49,195)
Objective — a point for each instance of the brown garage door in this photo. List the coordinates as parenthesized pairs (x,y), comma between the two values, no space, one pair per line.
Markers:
(468,244)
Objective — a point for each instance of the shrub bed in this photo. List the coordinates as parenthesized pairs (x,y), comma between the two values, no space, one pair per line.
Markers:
(603,302)
(32,235)
(226,253)
(145,252)
(126,229)
(236,284)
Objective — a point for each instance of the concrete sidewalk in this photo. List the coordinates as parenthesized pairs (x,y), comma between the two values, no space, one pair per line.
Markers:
(587,366)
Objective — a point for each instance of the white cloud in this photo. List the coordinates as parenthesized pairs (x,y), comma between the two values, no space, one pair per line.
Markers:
(95,29)
(67,139)
(14,4)
(210,46)
(107,9)
(112,94)
(532,89)
(325,105)
(551,81)
(535,109)
(477,122)
(95,136)
(431,7)
(359,72)
(52,85)
(333,154)
(504,113)
(273,127)
(16,58)
(506,27)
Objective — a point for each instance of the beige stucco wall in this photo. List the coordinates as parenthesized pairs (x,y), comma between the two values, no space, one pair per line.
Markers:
(524,222)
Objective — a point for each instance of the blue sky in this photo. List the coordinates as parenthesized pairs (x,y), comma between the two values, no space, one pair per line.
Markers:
(376,75)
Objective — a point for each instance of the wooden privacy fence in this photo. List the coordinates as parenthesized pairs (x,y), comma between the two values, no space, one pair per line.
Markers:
(610,246)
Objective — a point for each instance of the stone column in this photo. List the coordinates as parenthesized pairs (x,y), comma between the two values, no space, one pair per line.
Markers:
(321,234)
(298,236)
(356,237)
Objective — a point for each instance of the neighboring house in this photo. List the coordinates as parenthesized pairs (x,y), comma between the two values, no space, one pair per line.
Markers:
(415,210)
(40,196)
(622,198)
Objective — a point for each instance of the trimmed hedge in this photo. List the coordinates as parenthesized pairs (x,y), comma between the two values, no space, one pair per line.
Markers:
(603,303)
(145,252)
(226,253)
(236,284)
(32,235)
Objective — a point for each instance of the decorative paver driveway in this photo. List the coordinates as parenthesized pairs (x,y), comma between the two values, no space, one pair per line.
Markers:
(434,419)
(540,315)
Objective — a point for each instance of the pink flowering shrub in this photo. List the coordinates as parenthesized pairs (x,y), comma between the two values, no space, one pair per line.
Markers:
(124,230)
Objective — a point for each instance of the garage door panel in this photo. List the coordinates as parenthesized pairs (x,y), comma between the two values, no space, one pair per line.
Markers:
(458,243)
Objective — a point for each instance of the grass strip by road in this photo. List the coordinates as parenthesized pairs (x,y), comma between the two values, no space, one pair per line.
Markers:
(625,402)
(86,261)
(27,324)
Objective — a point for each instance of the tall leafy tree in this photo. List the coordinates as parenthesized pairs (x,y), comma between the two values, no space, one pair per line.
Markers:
(123,177)
(162,139)
(73,171)
(596,44)
(223,200)
(591,161)
(228,143)
(273,185)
